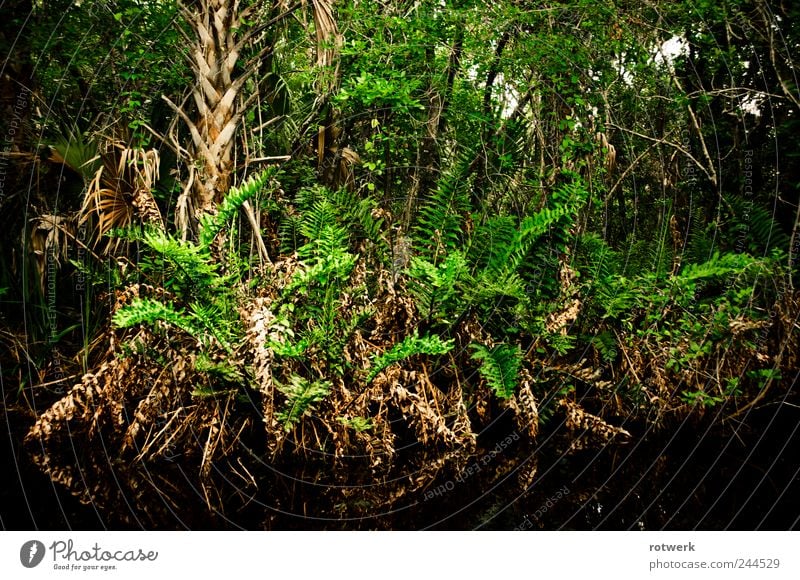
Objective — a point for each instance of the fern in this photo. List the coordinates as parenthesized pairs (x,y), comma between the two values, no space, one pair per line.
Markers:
(606,344)
(615,296)
(662,250)
(555,221)
(488,289)
(301,397)
(434,287)
(594,259)
(183,267)
(359,215)
(202,322)
(699,246)
(325,235)
(289,232)
(756,223)
(439,224)
(220,370)
(212,318)
(489,245)
(333,268)
(718,266)
(410,346)
(560,343)
(345,217)
(317,287)
(499,367)
(357,424)
(212,224)
(149,312)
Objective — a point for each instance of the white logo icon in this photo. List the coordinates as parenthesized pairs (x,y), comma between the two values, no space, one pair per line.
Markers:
(32,553)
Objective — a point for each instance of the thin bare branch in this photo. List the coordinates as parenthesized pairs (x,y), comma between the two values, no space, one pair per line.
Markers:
(675,146)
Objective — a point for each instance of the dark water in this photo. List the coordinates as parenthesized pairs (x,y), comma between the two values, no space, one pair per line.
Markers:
(689,478)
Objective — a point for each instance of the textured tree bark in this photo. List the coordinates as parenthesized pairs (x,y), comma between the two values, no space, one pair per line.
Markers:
(218,32)
(214,54)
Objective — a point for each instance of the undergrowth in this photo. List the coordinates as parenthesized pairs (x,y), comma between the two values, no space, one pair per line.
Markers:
(343,355)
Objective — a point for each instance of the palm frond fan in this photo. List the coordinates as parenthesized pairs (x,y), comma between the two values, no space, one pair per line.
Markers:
(77,152)
(120,190)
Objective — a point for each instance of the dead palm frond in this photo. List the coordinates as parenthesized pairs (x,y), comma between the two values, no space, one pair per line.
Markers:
(120,190)
(49,241)
(329,40)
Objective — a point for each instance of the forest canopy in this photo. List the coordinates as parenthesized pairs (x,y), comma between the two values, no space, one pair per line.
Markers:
(401,264)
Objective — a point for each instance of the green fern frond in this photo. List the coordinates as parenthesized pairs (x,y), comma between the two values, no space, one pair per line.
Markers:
(606,344)
(594,258)
(324,234)
(489,246)
(211,225)
(148,312)
(433,286)
(499,367)
(489,288)
(301,397)
(753,222)
(718,266)
(410,346)
(289,232)
(357,424)
(699,246)
(319,217)
(221,370)
(534,227)
(212,318)
(359,215)
(330,239)
(327,270)
(439,223)
(556,221)
(184,267)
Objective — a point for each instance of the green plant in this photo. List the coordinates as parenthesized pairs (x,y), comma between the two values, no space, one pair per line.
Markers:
(409,346)
(301,397)
(438,228)
(149,312)
(192,274)
(754,225)
(435,286)
(701,398)
(357,424)
(606,344)
(212,224)
(499,367)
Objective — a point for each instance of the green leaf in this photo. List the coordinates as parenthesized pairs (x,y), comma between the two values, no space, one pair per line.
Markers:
(410,346)
(301,397)
(499,367)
